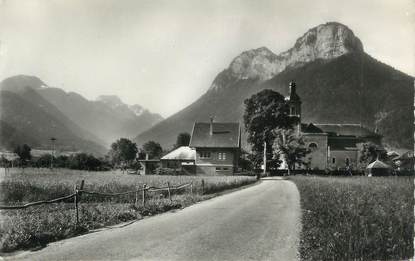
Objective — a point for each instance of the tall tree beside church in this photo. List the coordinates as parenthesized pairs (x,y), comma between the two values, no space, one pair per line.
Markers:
(291,147)
(264,112)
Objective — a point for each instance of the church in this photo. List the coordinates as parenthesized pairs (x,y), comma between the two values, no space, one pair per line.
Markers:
(332,146)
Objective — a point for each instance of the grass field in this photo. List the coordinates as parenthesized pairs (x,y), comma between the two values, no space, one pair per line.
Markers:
(356,218)
(35,226)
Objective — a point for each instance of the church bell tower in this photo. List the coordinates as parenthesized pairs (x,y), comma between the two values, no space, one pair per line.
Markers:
(294,103)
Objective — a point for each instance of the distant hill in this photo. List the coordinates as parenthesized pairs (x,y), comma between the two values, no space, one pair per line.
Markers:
(337,81)
(26,117)
(107,117)
(32,112)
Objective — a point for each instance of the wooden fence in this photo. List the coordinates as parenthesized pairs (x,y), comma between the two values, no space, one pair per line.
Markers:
(79,191)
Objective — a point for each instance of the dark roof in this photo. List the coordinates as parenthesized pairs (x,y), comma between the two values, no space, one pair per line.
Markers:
(225,135)
(346,130)
(342,142)
(406,156)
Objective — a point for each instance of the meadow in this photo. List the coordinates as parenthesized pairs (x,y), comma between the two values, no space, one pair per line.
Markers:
(356,218)
(38,225)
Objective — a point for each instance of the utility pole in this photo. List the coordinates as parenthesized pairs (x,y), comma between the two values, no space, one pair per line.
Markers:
(53,152)
(265,157)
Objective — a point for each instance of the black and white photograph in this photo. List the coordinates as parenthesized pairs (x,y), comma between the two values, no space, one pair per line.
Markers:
(207,130)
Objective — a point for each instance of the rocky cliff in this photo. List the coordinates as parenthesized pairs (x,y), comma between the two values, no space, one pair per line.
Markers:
(326,41)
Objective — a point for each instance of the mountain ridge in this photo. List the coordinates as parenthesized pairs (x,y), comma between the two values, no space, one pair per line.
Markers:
(340,70)
(325,41)
(87,120)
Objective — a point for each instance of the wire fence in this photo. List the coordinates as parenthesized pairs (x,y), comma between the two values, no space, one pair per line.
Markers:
(76,196)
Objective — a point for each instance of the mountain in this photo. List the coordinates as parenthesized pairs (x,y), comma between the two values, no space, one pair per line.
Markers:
(107,117)
(32,112)
(336,80)
(26,117)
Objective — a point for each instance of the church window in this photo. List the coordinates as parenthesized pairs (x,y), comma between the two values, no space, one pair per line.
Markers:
(313,146)
(333,160)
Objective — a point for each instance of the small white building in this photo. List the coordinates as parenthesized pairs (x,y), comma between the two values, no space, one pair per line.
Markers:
(181,159)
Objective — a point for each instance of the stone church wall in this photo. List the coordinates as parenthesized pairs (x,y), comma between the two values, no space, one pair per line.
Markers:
(318,156)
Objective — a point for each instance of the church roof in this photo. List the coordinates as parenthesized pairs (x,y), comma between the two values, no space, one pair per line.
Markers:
(342,143)
(310,128)
(225,135)
(346,130)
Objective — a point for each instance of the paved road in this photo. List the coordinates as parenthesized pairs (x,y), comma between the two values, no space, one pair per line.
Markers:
(260,222)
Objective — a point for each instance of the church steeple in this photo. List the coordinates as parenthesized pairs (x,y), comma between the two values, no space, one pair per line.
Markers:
(294,102)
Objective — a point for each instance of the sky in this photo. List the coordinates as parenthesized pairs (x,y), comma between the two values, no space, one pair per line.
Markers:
(164,54)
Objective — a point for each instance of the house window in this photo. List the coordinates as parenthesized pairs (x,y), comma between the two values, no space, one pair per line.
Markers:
(204,154)
(333,160)
(222,156)
(218,168)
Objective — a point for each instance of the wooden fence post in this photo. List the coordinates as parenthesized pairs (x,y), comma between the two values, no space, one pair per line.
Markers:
(78,199)
(82,187)
(168,189)
(76,205)
(203,186)
(144,195)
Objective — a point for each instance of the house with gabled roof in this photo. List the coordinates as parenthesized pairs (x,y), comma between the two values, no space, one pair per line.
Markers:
(217,145)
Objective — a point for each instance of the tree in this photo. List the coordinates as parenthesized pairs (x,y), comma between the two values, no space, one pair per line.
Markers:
(4,162)
(44,161)
(244,161)
(141,154)
(153,149)
(370,151)
(61,161)
(265,112)
(291,147)
(123,151)
(23,152)
(183,139)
